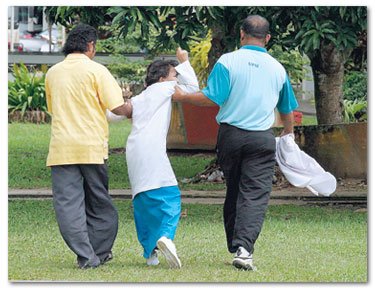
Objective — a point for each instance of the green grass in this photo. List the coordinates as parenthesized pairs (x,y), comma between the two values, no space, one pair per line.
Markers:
(308,120)
(297,244)
(28,149)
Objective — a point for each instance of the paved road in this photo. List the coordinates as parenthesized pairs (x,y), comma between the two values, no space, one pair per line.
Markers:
(353,190)
(306,107)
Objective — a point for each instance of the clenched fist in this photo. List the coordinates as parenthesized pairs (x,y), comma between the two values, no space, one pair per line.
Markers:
(182,55)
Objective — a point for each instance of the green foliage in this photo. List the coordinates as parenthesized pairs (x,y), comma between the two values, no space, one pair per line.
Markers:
(313,27)
(68,16)
(304,27)
(355,110)
(161,28)
(132,18)
(129,72)
(355,85)
(26,92)
(358,57)
(199,58)
(180,25)
(313,32)
(293,61)
(117,45)
(328,35)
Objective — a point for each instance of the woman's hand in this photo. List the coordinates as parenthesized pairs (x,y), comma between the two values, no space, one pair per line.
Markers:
(182,55)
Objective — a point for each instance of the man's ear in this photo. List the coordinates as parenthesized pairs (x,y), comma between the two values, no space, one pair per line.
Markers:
(268,38)
(92,46)
(242,35)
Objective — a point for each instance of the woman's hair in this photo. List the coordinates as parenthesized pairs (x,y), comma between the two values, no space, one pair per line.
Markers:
(78,39)
(157,69)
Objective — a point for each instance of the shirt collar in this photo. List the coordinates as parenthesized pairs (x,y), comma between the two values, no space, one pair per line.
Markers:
(74,56)
(256,48)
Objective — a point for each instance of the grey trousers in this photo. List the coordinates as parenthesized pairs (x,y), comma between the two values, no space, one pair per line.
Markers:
(87,218)
(247,159)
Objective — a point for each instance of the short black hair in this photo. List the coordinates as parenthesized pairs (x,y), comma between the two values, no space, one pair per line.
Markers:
(255,26)
(157,69)
(78,39)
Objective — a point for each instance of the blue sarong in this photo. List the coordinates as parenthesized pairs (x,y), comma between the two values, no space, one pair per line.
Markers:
(156,214)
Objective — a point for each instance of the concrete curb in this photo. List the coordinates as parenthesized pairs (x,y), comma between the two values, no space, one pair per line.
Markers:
(279,195)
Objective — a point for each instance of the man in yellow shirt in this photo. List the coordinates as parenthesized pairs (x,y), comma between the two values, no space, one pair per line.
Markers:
(78,92)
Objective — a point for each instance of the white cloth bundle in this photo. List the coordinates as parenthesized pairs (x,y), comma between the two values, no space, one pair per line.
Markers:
(301,170)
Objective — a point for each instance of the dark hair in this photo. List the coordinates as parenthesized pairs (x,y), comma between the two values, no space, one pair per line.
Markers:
(157,69)
(78,39)
(256,26)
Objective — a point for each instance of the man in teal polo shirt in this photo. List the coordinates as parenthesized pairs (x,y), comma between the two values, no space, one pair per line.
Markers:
(248,84)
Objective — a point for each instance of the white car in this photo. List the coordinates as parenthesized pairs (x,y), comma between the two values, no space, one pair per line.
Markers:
(40,42)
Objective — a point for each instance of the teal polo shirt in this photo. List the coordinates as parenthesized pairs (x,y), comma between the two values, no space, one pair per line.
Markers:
(248,84)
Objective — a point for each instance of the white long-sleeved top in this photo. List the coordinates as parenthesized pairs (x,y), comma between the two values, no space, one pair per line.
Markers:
(300,169)
(146,152)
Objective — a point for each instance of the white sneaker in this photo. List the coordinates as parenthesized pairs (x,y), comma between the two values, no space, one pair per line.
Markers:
(243,260)
(153,260)
(168,249)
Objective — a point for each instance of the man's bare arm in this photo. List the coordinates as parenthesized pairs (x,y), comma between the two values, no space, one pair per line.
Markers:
(287,121)
(197,98)
(125,109)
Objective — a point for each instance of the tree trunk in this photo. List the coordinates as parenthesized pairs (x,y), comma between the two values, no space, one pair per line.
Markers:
(328,71)
(217,46)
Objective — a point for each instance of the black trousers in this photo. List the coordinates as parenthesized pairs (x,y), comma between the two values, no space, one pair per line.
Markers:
(247,159)
(86,216)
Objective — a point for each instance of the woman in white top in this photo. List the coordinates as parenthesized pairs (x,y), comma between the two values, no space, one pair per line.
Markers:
(156,196)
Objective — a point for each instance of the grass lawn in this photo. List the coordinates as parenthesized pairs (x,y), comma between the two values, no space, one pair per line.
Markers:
(28,149)
(309,120)
(297,244)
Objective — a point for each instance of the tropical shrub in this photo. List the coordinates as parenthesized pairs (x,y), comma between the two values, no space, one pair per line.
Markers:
(355,110)
(199,58)
(355,85)
(26,92)
(295,64)
(129,73)
(117,45)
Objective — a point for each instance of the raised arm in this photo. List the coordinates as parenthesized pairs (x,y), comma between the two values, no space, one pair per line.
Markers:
(187,79)
(188,89)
